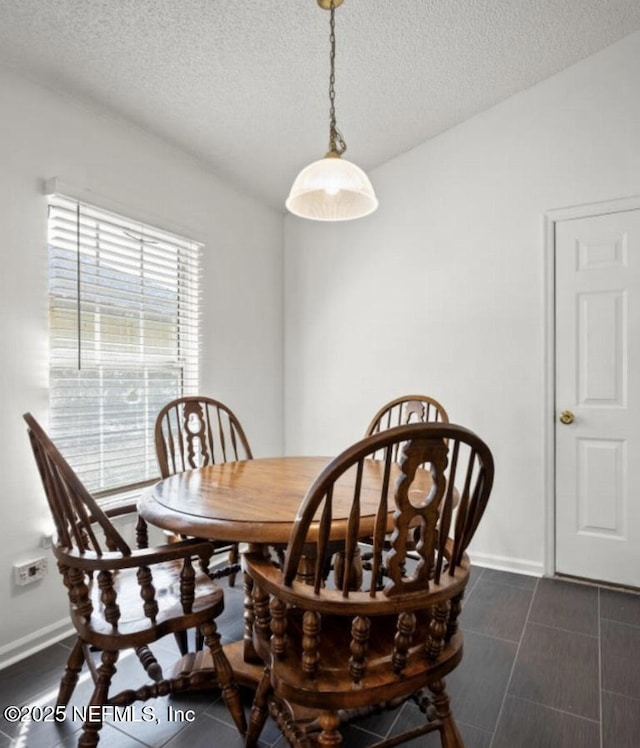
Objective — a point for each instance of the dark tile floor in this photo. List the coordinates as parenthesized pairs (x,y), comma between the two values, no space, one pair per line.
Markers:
(548,664)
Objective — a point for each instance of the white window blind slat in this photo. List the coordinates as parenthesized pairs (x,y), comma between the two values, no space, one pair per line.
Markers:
(124,338)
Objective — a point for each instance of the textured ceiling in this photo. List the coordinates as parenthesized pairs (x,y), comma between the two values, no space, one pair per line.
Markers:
(242,85)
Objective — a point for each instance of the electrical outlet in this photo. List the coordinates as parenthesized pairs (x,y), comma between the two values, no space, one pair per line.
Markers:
(26,572)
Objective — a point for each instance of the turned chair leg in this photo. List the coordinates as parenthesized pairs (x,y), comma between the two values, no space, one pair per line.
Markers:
(330,735)
(181,641)
(149,663)
(259,710)
(449,732)
(233,561)
(199,640)
(90,737)
(71,673)
(224,676)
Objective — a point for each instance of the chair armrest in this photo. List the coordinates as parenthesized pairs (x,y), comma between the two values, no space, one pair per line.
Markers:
(121,509)
(111,560)
(270,579)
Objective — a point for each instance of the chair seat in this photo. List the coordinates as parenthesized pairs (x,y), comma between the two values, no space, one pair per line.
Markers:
(134,627)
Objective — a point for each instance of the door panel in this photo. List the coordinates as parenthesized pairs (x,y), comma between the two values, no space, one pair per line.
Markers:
(597,379)
(601,341)
(600,490)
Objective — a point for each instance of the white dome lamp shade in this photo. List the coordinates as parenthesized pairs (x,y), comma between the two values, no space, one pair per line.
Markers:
(332,188)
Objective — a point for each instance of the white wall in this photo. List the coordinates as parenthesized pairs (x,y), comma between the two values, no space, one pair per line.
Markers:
(442,290)
(43,135)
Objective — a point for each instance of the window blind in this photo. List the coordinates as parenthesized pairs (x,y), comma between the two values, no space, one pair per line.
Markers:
(124,328)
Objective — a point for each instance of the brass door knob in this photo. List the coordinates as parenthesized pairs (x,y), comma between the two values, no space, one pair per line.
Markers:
(567,417)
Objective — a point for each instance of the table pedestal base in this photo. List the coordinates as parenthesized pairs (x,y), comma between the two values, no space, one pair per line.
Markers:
(247,673)
(197,667)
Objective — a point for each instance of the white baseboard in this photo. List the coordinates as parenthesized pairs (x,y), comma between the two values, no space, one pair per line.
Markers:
(34,642)
(505,563)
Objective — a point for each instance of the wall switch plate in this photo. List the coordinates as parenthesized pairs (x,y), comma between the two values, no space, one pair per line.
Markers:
(26,572)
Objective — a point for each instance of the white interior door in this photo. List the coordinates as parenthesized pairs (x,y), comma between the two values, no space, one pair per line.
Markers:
(598,385)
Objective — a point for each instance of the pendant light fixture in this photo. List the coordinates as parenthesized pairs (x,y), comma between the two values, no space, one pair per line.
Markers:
(332,189)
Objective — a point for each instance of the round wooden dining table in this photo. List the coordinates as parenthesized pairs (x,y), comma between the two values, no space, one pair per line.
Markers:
(256,501)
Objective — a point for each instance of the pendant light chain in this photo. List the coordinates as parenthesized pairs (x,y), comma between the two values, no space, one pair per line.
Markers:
(336,141)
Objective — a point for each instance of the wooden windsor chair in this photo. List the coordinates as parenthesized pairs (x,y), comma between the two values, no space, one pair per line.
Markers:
(407,409)
(194,431)
(331,652)
(122,598)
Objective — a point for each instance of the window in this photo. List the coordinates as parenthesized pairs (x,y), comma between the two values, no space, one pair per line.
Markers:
(124,320)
